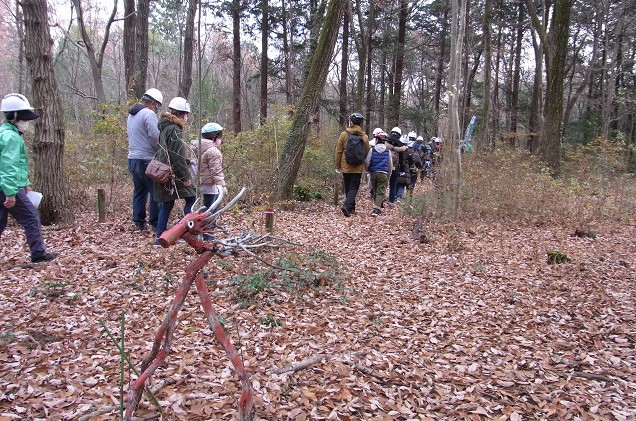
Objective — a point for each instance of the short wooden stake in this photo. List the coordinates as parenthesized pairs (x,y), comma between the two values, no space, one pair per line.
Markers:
(269,221)
(101,204)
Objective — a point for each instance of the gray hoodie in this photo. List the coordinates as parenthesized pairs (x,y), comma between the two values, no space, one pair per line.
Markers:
(143,132)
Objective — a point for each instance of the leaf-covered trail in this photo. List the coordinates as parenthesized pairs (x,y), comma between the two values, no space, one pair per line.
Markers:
(474,325)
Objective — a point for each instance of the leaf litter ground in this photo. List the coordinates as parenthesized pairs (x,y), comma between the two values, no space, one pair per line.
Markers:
(474,325)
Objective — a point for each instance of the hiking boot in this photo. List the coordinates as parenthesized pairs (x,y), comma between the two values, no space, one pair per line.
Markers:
(345,211)
(44,258)
(375,212)
(141,226)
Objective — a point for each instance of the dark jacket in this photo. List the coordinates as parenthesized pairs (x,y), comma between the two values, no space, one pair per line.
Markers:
(174,151)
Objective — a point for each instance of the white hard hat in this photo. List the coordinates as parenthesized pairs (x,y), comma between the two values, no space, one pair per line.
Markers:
(179,104)
(154,94)
(412,134)
(211,128)
(376,131)
(397,130)
(437,140)
(19,103)
(420,139)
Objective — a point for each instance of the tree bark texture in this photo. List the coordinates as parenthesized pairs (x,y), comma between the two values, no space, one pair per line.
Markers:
(394,111)
(141,47)
(485,111)
(264,59)
(48,144)
(236,64)
(130,34)
(188,50)
(342,101)
(289,161)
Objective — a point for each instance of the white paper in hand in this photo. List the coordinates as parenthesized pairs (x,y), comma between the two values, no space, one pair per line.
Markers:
(35,198)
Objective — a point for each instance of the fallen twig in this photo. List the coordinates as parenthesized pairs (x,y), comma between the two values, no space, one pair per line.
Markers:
(597,377)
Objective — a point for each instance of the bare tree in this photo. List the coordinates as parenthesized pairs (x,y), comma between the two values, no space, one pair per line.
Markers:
(48,144)
(95,58)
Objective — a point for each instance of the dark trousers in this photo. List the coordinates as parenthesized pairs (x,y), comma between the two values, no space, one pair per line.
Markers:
(143,191)
(28,216)
(393,187)
(351,187)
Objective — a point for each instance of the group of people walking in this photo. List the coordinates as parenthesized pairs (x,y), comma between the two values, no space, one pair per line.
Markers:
(390,160)
(161,136)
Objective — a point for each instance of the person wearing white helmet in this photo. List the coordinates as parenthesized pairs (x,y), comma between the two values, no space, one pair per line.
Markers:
(143,134)
(212,177)
(379,165)
(14,175)
(398,161)
(176,153)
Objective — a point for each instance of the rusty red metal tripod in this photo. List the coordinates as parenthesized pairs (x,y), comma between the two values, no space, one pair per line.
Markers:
(203,221)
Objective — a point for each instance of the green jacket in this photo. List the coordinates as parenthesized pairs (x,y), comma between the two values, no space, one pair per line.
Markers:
(14,162)
(174,151)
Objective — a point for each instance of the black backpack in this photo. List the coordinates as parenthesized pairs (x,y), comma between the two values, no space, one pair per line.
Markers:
(354,150)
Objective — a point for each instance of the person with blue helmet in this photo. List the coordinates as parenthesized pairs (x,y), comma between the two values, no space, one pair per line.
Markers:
(212,181)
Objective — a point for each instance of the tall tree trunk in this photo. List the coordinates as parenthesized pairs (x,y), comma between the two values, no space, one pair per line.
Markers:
(555,43)
(19,24)
(363,43)
(495,93)
(130,35)
(394,111)
(264,58)
(516,76)
(287,54)
(289,161)
(48,145)
(535,123)
(185,82)
(439,73)
(369,96)
(344,64)
(236,64)
(141,47)
(485,111)
(382,104)
(451,172)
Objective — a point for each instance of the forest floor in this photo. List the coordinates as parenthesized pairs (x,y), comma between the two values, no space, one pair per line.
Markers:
(474,324)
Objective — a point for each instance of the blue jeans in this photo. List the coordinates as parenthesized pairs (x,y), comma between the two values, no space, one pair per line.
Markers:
(28,216)
(164,213)
(143,190)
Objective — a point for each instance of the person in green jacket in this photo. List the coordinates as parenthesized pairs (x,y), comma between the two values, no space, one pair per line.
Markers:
(14,175)
(175,152)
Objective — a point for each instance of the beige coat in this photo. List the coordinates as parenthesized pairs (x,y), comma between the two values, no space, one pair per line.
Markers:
(211,164)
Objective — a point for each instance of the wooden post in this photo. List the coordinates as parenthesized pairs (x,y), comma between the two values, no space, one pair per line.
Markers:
(336,191)
(269,221)
(101,205)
